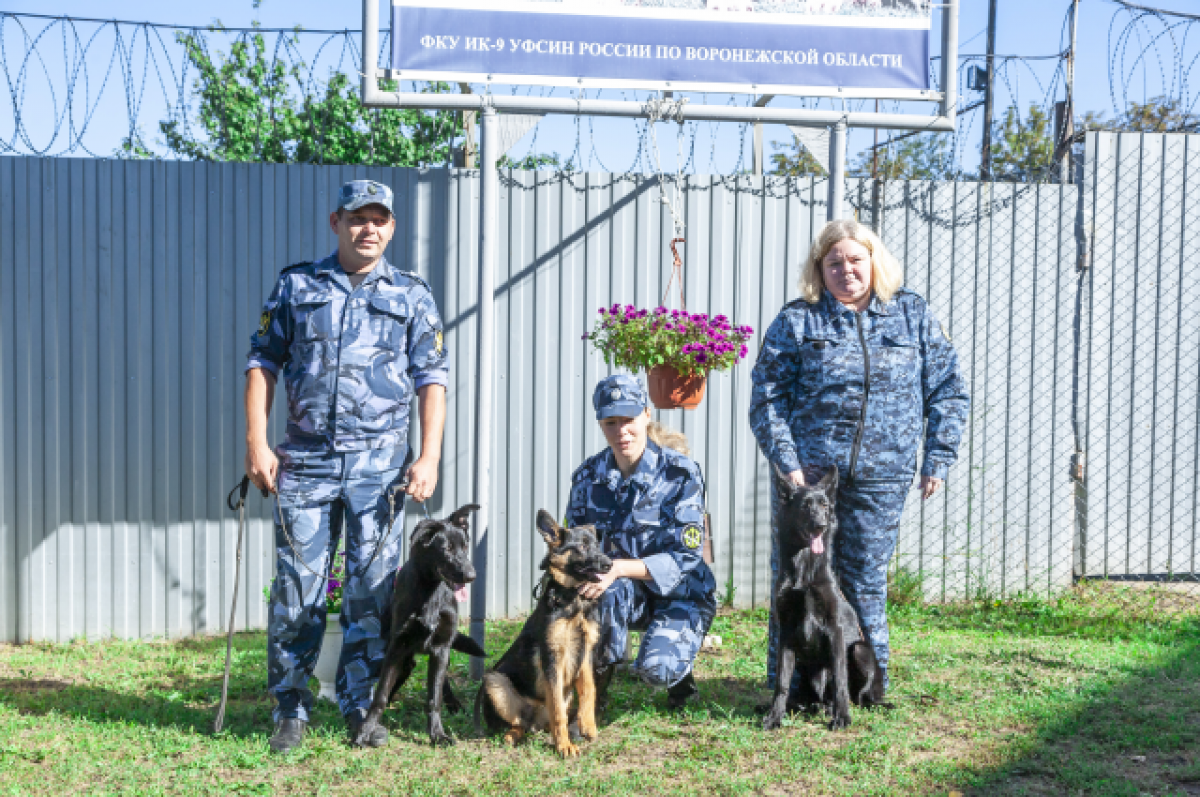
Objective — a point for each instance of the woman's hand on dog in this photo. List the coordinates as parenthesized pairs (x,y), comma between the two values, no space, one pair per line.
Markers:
(422,479)
(262,466)
(621,568)
(930,485)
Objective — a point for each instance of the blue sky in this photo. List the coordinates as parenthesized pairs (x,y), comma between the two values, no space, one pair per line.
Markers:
(1026,27)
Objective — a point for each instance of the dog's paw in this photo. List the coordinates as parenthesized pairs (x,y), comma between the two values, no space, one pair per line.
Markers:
(442,739)
(567,749)
(839,721)
(773,721)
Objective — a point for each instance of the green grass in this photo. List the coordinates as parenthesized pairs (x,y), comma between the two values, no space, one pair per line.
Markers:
(1085,695)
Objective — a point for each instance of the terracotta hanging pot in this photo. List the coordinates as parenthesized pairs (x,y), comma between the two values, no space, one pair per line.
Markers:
(669,390)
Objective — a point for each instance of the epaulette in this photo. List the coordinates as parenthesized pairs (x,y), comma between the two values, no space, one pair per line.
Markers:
(295,266)
(799,302)
(417,278)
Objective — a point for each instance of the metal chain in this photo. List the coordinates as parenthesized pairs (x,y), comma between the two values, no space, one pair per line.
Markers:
(662,109)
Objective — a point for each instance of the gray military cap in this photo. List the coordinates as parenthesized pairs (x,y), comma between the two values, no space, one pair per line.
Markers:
(620,395)
(360,193)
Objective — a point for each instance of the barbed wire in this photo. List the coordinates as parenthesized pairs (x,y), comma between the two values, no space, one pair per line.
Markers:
(75,73)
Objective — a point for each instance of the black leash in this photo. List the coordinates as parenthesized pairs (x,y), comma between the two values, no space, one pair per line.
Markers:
(241,488)
(392,493)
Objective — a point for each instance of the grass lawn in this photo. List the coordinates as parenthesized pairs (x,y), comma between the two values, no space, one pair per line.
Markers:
(1076,696)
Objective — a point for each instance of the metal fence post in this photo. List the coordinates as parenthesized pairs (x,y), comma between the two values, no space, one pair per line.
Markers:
(489,219)
(837,170)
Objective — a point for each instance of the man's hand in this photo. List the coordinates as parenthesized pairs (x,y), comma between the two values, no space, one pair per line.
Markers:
(929,486)
(796,477)
(422,479)
(262,466)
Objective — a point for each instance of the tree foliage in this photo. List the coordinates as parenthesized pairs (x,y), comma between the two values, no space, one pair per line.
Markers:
(1023,148)
(249,106)
(923,157)
(794,159)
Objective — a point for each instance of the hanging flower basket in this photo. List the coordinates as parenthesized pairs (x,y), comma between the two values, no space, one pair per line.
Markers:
(677,349)
(671,390)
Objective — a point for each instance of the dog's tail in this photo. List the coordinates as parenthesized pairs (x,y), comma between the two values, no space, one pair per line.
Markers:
(464,644)
(479,696)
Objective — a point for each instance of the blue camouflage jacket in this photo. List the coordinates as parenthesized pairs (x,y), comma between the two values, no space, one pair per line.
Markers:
(351,357)
(832,386)
(656,515)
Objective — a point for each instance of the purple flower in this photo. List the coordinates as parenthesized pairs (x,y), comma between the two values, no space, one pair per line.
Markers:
(745,350)
(720,318)
(674,314)
(701,358)
(660,311)
(624,320)
(583,337)
(603,311)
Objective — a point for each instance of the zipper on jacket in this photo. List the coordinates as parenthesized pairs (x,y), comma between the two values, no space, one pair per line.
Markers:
(862,416)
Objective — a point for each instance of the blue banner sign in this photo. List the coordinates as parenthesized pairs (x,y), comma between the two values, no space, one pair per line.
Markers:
(616,46)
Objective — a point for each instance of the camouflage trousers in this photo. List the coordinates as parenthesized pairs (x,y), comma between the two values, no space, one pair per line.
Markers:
(673,630)
(321,498)
(868,515)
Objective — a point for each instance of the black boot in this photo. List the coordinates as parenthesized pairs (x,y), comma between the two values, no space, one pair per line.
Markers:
(289,734)
(681,693)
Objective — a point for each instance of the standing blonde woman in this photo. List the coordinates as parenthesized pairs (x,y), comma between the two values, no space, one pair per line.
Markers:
(857,373)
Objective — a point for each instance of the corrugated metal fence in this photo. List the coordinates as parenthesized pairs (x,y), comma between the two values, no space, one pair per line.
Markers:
(129,290)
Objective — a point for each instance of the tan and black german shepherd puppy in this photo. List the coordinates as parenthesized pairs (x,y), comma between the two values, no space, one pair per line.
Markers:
(530,687)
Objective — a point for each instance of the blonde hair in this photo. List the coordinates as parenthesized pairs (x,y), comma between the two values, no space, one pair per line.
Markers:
(886,274)
(666,437)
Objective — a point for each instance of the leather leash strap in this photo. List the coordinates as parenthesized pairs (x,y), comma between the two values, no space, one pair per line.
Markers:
(239,506)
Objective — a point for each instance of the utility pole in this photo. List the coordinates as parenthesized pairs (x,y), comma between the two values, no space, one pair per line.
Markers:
(985,151)
(1068,126)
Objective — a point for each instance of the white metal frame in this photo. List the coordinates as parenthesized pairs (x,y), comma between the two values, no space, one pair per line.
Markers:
(489,104)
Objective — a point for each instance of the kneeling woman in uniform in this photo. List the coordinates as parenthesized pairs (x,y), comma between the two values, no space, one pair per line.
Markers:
(647,503)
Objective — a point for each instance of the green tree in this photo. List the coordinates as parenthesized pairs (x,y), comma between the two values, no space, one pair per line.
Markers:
(246,110)
(922,157)
(794,159)
(1023,148)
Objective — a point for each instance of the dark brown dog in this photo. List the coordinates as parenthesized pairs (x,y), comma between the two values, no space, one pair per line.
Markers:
(530,688)
(819,634)
(425,619)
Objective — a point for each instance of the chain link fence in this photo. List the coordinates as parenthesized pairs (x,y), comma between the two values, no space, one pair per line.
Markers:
(1073,308)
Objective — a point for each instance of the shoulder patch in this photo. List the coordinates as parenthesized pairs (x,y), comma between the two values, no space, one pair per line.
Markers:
(264,322)
(295,266)
(692,537)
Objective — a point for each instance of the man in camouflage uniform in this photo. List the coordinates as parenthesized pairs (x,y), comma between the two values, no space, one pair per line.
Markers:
(354,338)
(651,522)
(859,390)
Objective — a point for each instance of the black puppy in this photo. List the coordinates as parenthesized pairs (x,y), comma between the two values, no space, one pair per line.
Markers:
(818,629)
(425,619)
(530,688)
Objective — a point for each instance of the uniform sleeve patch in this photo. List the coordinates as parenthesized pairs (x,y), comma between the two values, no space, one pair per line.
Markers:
(264,322)
(437,337)
(942,327)
(692,537)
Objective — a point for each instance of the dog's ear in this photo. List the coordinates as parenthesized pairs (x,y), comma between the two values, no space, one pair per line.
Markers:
(460,519)
(829,483)
(423,533)
(783,483)
(551,532)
